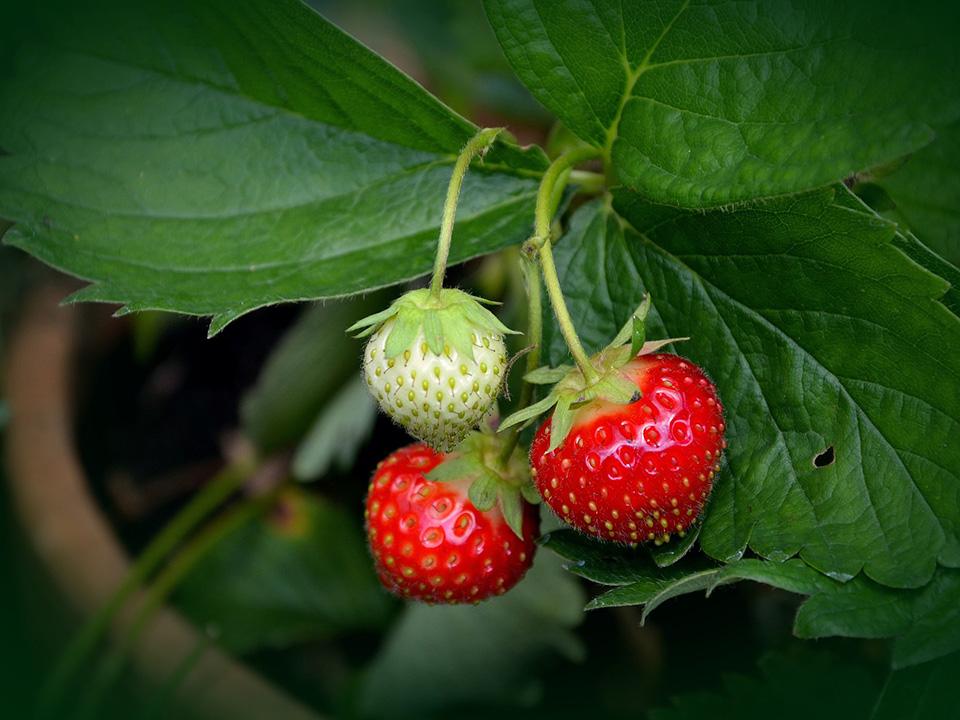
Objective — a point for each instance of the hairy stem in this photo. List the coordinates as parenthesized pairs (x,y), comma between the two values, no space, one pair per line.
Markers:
(551,188)
(535,338)
(477,145)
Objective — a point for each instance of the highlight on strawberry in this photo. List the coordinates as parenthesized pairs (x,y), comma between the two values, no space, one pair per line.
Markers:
(452,528)
(634,442)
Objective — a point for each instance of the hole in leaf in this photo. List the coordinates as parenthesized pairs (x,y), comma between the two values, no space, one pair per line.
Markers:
(824,458)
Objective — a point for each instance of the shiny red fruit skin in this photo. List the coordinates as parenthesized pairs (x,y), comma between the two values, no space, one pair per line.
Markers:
(430,543)
(638,472)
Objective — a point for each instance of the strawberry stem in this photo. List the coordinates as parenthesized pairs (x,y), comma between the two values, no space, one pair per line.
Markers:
(548,198)
(535,338)
(477,145)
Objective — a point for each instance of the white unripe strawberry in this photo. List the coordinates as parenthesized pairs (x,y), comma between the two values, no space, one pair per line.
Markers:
(436,363)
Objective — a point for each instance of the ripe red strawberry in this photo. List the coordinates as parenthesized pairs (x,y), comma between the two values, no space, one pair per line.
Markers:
(431,543)
(637,472)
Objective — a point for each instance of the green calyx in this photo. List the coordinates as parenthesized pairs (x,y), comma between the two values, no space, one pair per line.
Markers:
(493,481)
(448,318)
(572,389)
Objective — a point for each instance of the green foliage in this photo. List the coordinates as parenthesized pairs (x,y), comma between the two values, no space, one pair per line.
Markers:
(924,691)
(300,573)
(338,433)
(701,104)
(211,158)
(484,655)
(924,622)
(308,367)
(926,190)
(790,687)
(819,333)
(185,163)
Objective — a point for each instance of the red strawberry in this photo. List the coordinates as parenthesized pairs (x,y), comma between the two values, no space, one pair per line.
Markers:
(431,543)
(641,471)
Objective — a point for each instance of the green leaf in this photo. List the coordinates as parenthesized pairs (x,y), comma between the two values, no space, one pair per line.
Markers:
(611,564)
(790,687)
(674,551)
(300,573)
(921,692)
(925,622)
(309,365)
(440,658)
(910,246)
(926,190)
(707,103)
(652,591)
(213,157)
(338,433)
(820,333)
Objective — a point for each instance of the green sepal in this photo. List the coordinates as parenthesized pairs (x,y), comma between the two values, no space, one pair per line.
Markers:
(616,388)
(406,327)
(639,335)
(369,324)
(484,490)
(562,421)
(449,319)
(456,333)
(456,467)
(653,345)
(511,505)
(433,332)
(530,493)
(628,331)
(529,412)
(547,375)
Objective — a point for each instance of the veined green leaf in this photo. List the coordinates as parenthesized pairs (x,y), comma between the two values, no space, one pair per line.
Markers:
(212,157)
(926,190)
(820,334)
(701,103)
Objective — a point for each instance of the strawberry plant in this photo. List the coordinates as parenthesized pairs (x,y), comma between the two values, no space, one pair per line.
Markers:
(699,328)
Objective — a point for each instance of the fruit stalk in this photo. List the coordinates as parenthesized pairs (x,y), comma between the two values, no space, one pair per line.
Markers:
(548,196)
(535,338)
(477,145)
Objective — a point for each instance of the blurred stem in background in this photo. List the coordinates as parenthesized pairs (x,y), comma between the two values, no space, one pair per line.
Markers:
(166,582)
(78,652)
